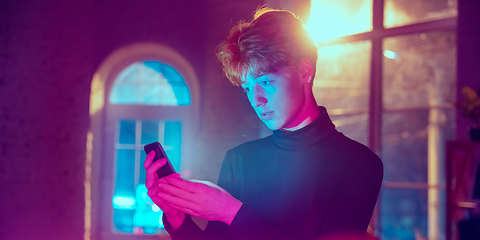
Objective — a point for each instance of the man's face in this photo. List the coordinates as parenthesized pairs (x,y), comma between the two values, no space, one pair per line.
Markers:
(278,98)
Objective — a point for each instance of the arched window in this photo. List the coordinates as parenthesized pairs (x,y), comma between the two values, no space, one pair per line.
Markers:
(150,95)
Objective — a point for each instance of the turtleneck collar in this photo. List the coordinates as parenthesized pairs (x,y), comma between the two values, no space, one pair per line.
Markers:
(317,130)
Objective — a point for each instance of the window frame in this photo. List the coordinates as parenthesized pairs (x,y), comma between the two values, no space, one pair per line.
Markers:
(100,158)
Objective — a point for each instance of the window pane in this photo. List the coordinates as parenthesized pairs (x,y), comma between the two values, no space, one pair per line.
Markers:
(343,77)
(160,93)
(147,215)
(124,198)
(331,19)
(342,85)
(405,142)
(123,220)
(143,174)
(404,12)
(150,83)
(182,94)
(124,180)
(404,213)
(178,86)
(129,75)
(127,93)
(173,140)
(149,131)
(419,70)
(404,146)
(127,132)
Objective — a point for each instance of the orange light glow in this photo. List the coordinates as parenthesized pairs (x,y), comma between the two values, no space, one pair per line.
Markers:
(333,19)
(96,94)
(88,189)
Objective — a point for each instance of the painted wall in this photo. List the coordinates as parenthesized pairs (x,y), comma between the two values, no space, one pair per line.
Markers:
(49,51)
(468,52)
(46,64)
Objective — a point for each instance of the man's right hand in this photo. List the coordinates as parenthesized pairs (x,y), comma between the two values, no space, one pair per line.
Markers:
(174,217)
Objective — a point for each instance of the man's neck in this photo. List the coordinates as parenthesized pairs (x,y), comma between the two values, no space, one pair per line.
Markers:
(315,113)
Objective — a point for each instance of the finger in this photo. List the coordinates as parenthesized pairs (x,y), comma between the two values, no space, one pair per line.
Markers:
(164,179)
(161,180)
(151,172)
(174,200)
(167,179)
(153,194)
(158,181)
(185,185)
(156,165)
(177,192)
(166,207)
(150,180)
(176,175)
(184,210)
(149,159)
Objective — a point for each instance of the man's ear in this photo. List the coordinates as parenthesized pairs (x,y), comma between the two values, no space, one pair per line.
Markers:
(306,71)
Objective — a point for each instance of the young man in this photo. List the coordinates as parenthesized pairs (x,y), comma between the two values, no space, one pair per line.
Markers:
(306,181)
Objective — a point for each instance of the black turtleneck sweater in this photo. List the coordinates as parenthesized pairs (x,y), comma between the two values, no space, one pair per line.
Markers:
(305,184)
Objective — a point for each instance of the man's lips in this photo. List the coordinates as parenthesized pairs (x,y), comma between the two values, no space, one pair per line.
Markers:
(265,116)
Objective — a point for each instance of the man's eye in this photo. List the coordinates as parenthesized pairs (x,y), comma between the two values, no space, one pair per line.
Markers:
(265,82)
(246,89)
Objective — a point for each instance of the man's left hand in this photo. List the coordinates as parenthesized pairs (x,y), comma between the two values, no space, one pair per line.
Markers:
(201,199)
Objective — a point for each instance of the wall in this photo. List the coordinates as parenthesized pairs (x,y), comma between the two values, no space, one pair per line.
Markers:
(468,52)
(49,51)
(46,65)
(228,119)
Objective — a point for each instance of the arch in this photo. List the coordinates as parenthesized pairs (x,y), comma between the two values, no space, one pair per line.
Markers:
(118,60)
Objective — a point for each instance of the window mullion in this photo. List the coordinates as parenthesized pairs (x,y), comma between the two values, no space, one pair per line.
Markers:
(375,101)
(138,148)
(377,15)
(375,109)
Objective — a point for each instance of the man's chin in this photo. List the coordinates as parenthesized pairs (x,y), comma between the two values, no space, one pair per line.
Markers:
(272,126)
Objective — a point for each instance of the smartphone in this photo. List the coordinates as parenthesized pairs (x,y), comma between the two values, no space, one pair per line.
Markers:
(166,169)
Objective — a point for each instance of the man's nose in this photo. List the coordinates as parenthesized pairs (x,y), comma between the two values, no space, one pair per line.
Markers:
(259,98)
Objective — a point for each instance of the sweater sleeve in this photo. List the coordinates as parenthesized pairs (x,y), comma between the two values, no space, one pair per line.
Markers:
(188,230)
(248,224)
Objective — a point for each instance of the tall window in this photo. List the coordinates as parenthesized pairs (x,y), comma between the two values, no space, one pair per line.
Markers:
(386,75)
(141,93)
(156,86)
